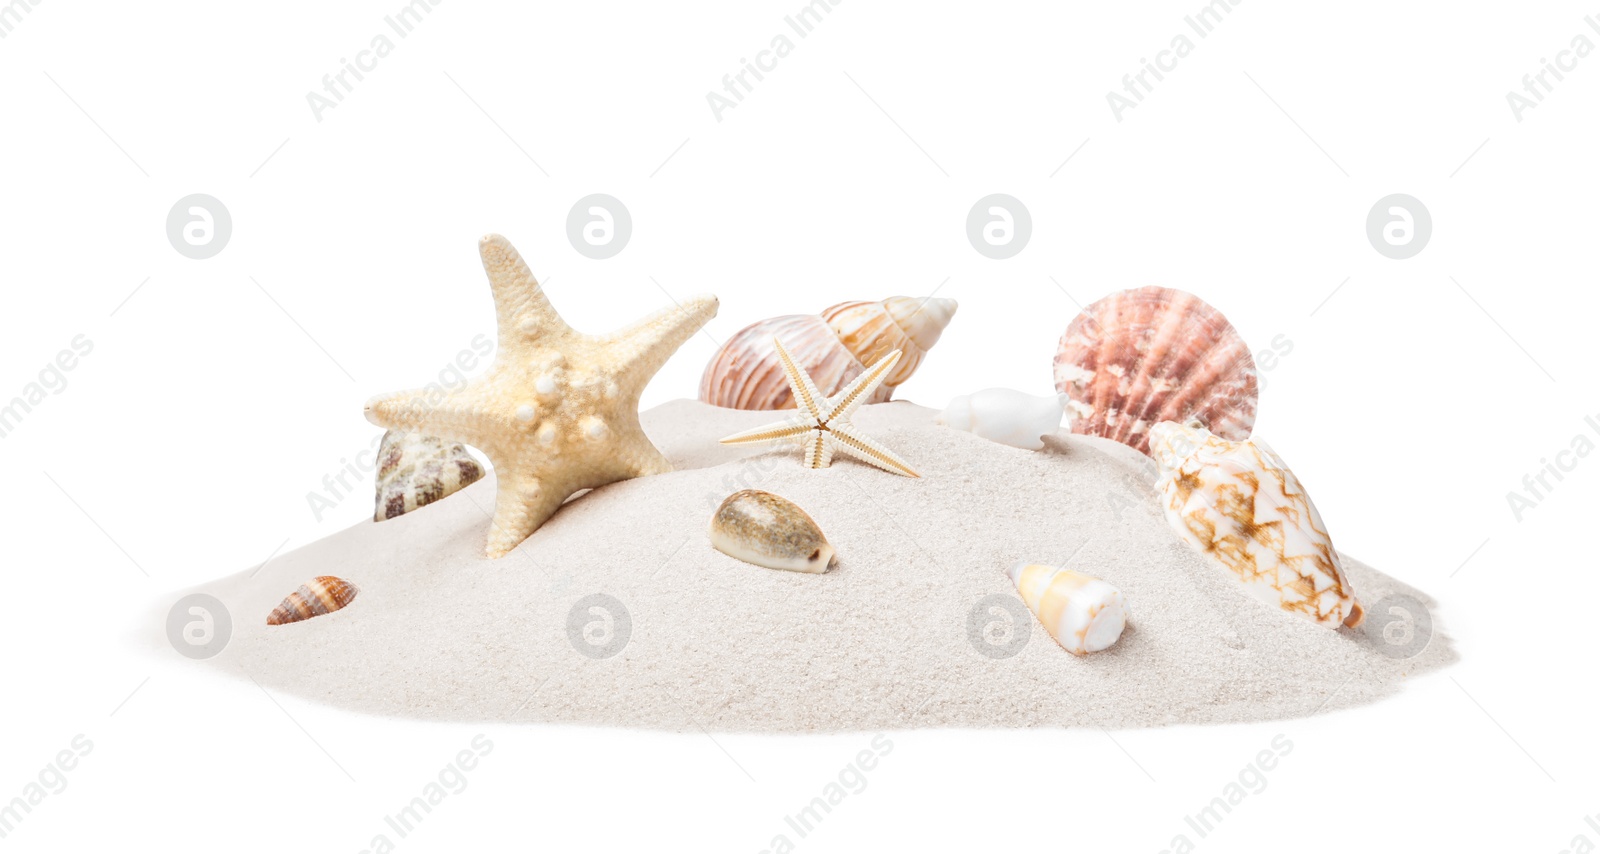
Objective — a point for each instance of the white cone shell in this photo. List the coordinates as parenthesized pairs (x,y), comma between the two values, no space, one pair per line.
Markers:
(1082,613)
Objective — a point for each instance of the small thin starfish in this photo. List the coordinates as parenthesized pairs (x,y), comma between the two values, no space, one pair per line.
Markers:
(822,424)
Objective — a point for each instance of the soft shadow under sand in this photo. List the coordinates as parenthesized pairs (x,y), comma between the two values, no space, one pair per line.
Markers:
(891,638)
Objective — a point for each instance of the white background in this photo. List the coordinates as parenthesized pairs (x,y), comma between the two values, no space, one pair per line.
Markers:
(220,392)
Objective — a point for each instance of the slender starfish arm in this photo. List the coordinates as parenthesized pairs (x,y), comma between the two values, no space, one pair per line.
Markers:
(522,310)
(645,346)
(819,450)
(848,400)
(846,438)
(793,428)
(807,397)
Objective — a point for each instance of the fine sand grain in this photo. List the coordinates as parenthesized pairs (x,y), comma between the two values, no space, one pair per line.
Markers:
(440,632)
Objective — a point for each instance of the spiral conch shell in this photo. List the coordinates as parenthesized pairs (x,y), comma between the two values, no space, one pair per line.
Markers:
(1238,504)
(1005,416)
(1140,357)
(832,347)
(1083,613)
(769,530)
(415,469)
(321,595)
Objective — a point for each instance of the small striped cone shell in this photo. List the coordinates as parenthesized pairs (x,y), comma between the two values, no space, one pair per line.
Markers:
(833,347)
(414,470)
(1140,357)
(1238,504)
(1083,613)
(321,595)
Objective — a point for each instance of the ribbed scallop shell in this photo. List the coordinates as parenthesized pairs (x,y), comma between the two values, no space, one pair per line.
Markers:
(834,347)
(1140,357)
(415,469)
(1239,505)
(321,595)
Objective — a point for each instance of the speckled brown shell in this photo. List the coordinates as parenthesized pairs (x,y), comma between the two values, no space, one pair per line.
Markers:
(321,595)
(414,470)
(833,347)
(1140,357)
(769,530)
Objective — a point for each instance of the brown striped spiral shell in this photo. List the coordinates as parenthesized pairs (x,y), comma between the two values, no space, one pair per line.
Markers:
(321,595)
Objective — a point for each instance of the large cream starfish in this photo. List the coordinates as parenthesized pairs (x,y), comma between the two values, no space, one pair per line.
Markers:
(558,411)
(822,425)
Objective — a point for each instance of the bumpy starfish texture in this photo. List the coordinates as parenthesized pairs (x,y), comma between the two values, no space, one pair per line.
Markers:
(821,425)
(558,411)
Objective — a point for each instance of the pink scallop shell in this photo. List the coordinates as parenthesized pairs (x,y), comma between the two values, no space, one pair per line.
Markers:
(1139,357)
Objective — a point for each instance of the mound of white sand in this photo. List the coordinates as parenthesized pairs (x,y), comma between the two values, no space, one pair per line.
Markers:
(893,637)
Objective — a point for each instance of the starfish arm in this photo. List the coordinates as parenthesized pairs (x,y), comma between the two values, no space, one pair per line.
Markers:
(642,348)
(522,310)
(521,505)
(847,401)
(858,445)
(819,451)
(807,397)
(456,417)
(790,428)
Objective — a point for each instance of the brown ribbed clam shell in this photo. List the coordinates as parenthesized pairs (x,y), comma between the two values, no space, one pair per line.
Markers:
(1139,357)
(833,347)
